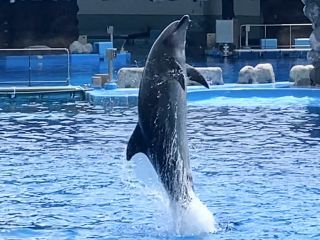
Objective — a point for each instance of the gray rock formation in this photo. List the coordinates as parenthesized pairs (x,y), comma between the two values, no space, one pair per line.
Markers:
(130,77)
(247,75)
(312,12)
(265,73)
(78,47)
(261,73)
(213,75)
(300,75)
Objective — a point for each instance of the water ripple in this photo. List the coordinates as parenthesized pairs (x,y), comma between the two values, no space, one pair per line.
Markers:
(64,174)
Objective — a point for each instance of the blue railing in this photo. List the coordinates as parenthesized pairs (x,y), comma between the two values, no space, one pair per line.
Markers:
(246,28)
(35,66)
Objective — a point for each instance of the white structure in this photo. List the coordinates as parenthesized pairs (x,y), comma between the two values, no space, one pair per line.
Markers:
(247,75)
(129,77)
(265,73)
(141,15)
(78,47)
(262,73)
(300,75)
(213,75)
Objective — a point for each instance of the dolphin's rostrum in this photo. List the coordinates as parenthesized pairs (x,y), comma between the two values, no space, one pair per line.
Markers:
(162,108)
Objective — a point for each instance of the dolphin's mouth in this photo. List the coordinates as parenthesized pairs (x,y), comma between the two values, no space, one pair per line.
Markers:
(184,22)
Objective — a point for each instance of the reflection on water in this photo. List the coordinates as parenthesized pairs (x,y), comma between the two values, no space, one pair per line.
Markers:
(63,173)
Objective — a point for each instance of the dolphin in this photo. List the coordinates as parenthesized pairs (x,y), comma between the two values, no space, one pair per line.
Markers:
(162,111)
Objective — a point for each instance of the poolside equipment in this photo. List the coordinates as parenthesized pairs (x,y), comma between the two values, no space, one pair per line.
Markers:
(227,35)
(101,48)
(111,54)
(44,93)
(110,86)
(301,43)
(99,79)
(268,43)
(110,30)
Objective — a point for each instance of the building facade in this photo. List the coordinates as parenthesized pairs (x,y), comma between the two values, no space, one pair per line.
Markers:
(56,23)
(136,16)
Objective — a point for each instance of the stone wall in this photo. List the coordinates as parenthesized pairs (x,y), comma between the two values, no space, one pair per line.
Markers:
(131,77)
(48,22)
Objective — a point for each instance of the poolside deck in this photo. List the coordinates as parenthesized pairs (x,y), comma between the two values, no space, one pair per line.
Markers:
(294,52)
(44,92)
(278,50)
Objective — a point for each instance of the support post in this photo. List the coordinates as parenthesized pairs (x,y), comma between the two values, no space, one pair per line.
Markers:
(111,54)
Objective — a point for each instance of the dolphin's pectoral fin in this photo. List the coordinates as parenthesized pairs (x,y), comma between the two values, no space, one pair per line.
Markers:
(182,81)
(195,75)
(136,143)
(177,72)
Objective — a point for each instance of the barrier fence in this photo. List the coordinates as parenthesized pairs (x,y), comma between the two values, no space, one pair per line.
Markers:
(266,32)
(38,66)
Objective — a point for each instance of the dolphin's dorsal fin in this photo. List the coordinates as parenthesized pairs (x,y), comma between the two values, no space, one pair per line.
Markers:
(195,75)
(136,143)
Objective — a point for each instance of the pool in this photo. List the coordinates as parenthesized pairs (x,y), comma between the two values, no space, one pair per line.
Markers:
(63,173)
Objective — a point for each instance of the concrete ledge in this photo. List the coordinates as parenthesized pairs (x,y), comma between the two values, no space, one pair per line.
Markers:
(43,93)
(254,92)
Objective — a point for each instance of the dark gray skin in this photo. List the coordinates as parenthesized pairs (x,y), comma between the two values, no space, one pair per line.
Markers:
(162,107)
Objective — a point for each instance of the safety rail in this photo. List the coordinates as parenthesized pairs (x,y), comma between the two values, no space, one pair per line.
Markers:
(247,29)
(30,56)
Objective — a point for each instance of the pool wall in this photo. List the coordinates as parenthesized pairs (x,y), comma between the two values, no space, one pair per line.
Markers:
(41,69)
(129,97)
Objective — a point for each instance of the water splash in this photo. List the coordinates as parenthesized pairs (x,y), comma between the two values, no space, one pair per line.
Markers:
(194,219)
(191,220)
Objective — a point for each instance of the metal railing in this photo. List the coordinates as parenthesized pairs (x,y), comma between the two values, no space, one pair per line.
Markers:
(247,29)
(31,56)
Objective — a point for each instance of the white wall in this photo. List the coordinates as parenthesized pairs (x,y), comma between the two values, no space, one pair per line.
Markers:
(247,7)
(140,7)
(165,7)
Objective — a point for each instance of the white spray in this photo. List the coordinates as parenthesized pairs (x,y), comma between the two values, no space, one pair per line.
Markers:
(187,220)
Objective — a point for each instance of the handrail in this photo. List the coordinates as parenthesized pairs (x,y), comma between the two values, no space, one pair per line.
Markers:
(248,26)
(36,49)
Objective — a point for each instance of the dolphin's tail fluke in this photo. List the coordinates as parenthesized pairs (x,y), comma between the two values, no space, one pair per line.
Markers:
(193,219)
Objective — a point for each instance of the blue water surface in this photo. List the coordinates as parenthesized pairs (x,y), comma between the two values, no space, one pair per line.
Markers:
(63,173)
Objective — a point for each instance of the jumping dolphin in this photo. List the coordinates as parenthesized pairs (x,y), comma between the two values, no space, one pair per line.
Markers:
(162,108)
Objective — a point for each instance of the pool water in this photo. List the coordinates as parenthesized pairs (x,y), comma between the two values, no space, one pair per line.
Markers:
(63,173)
